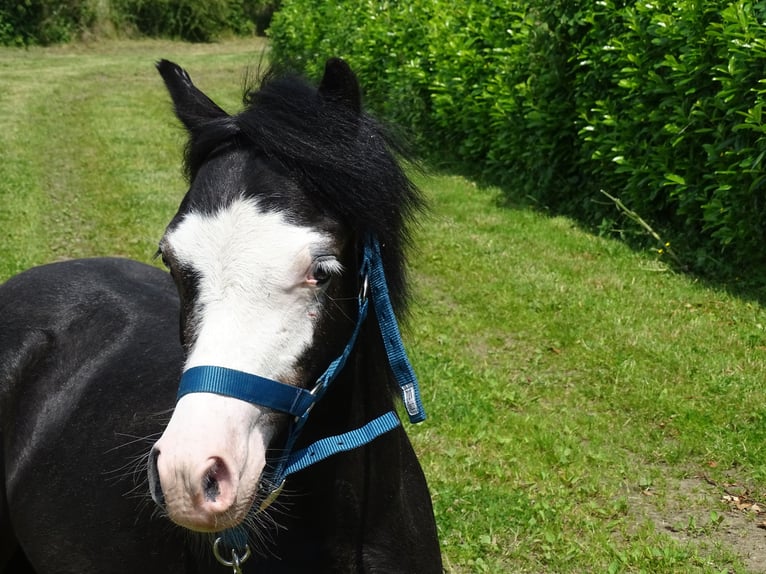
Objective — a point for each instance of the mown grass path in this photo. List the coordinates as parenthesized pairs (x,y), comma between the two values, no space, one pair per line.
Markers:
(90,152)
(589,410)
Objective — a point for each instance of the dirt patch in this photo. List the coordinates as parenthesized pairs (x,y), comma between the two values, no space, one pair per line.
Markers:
(703,513)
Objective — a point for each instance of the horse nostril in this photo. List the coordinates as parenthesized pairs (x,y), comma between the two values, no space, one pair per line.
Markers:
(211,487)
(155,486)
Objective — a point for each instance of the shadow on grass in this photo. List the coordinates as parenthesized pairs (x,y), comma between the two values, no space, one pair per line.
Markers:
(713,272)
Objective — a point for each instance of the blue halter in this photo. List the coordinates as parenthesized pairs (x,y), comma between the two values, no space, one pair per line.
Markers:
(298,402)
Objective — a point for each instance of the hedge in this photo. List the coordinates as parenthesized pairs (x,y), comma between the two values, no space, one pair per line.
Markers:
(658,103)
(26,22)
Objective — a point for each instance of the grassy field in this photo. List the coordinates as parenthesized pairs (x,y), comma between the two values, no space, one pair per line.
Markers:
(590,411)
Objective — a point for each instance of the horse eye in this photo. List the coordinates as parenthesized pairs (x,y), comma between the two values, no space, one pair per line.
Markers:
(323,269)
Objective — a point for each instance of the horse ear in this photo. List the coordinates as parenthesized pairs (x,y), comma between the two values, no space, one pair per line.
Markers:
(191,105)
(339,84)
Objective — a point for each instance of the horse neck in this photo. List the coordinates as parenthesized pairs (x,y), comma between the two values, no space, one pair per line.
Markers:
(365,497)
(361,392)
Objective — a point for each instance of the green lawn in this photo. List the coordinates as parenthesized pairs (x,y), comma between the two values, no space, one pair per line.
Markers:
(589,410)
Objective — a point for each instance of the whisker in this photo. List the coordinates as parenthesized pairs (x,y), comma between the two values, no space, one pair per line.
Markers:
(148,439)
(337,306)
(164,413)
(336,299)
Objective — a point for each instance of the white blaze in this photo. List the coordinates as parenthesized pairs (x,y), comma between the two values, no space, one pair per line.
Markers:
(255,302)
(255,312)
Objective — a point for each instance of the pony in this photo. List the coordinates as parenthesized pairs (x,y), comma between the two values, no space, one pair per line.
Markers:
(284,450)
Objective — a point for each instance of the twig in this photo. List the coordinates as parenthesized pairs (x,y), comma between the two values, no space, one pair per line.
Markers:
(744,497)
(665,246)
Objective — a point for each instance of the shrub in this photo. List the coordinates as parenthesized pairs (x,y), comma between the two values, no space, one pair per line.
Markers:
(658,102)
(191,20)
(43,21)
(669,116)
(259,13)
(46,21)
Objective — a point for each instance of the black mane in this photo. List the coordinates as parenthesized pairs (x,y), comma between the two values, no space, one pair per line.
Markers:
(345,161)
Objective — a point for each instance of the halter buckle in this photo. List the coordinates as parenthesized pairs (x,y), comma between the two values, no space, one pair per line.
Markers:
(313,392)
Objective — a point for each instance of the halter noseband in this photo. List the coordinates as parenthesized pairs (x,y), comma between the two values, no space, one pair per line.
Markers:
(299,402)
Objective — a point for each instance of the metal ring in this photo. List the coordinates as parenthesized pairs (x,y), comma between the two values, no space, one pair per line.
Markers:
(236,562)
(364,288)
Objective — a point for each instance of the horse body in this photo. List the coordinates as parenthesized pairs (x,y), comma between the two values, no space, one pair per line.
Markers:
(88,356)
(264,253)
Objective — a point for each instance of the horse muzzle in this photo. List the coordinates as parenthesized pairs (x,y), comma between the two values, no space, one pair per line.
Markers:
(204,471)
(203,497)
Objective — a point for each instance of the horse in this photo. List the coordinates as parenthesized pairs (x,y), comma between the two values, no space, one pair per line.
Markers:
(272,344)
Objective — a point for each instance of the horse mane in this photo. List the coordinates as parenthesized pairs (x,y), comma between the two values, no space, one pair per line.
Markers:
(346,162)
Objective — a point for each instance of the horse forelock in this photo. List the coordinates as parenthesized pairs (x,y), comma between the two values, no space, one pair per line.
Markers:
(346,164)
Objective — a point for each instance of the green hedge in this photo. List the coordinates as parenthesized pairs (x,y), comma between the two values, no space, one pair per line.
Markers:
(195,20)
(657,102)
(25,22)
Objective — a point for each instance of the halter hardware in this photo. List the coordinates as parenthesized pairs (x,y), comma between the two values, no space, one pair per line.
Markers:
(236,561)
(299,402)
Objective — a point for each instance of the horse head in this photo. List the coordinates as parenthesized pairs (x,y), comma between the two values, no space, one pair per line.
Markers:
(264,251)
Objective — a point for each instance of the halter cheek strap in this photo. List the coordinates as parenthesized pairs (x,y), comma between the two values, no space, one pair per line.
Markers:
(392,338)
(299,402)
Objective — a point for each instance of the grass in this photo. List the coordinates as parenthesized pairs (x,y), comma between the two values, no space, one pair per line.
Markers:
(569,378)
(588,409)
(90,148)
